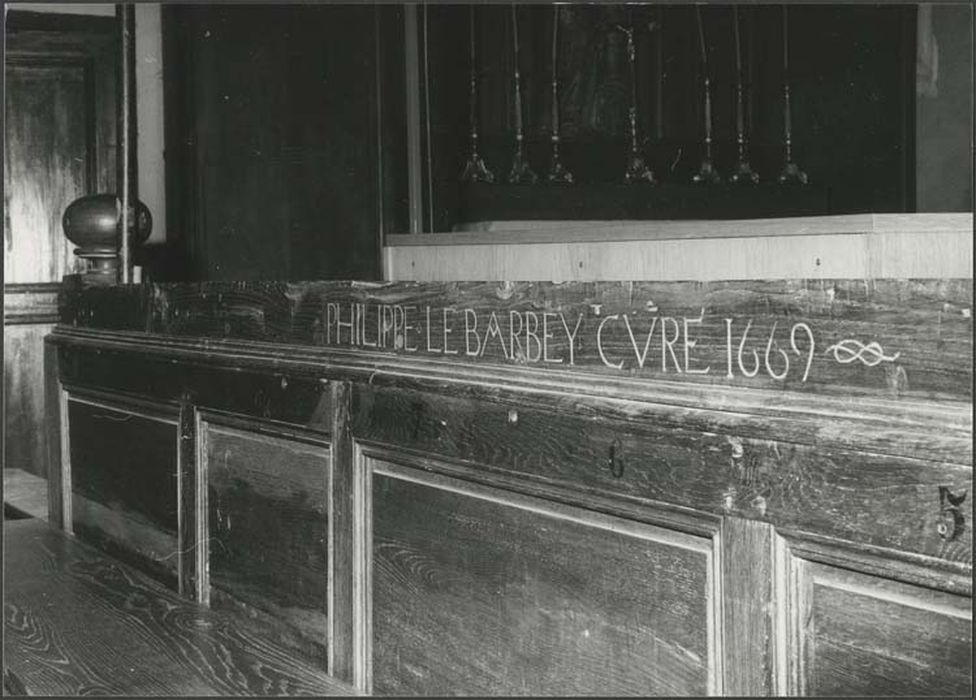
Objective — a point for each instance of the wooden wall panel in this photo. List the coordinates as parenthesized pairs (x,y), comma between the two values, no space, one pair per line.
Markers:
(479,592)
(59,134)
(124,482)
(24,444)
(44,166)
(273,159)
(269,521)
(866,636)
(727,470)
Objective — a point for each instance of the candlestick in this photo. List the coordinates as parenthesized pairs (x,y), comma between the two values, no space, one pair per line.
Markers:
(637,169)
(706,172)
(743,173)
(520,173)
(791,173)
(475,169)
(557,171)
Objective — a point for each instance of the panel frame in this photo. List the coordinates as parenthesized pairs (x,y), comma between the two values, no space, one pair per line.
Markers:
(801,561)
(131,404)
(205,418)
(645,524)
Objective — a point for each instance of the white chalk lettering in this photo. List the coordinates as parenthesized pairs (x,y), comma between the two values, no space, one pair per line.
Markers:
(430,348)
(669,344)
(806,329)
(641,356)
(755,355)
(398,321)
(494,330)
(599,342)
(447,331)
(689,344)
(531,333)
(331,310)
(513,336)
(786,358)
(340,324)
(570,336)
(728,349)
(546,335)
(407,328)
(471,329)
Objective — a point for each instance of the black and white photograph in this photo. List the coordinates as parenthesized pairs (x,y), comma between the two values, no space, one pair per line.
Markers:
(493,349)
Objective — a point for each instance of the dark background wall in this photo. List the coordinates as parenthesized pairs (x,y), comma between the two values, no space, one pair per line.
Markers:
(945,118)
(275,133)
(852,71)
(286,128)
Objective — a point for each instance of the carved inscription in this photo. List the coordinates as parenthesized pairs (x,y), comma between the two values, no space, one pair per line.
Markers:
(640,340)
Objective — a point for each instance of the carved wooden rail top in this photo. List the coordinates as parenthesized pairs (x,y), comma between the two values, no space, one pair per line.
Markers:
(894,356)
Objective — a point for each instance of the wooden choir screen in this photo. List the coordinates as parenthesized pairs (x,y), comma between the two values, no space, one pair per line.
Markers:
(753,487)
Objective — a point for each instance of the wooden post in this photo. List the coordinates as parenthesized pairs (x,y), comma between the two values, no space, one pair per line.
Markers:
(126,134)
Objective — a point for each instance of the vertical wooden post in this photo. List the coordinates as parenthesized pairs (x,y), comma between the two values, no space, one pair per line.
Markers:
(342,661)
(126,134)
(191,527)
(58,467)
(747,575)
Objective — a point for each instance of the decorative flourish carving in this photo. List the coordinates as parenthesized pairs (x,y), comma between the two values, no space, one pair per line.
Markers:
(871,355)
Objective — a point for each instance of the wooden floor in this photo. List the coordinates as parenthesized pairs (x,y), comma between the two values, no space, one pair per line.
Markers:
(77,622)
(25,493)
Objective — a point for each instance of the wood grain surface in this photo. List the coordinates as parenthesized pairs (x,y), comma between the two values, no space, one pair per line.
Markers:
(898,339)
(79,623)
(124,481)
(268,524)
(232,388)
(24,444)
(473,595)
(589,451)
(864,636)
(26,493)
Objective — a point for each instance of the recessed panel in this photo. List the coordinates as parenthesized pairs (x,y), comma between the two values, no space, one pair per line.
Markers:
(124,483)
(268,514)
(870,636)
(473,595)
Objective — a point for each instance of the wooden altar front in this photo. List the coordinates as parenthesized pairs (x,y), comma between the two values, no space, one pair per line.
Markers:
(672,488)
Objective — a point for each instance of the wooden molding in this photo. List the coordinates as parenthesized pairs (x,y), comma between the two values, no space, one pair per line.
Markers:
(932,431)
(33,303)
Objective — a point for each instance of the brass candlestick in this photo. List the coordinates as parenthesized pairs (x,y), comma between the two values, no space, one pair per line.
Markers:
(520,173)
(475,169)
(557,171)
(791,173)
(637,169)
(707,174)
(743,172)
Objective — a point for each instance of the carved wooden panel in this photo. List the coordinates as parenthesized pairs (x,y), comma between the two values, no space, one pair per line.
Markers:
(476,590)
(124,481)
(889,339)
(268,525)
